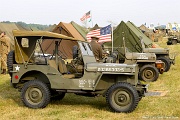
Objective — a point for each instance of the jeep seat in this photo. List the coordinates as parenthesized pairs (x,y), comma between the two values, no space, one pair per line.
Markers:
(63,69)
(52,63)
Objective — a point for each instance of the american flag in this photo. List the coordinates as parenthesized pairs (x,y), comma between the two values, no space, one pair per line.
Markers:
(104,34)
(86,16)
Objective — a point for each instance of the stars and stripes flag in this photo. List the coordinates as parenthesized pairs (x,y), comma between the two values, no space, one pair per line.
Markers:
(104,34)
(86,16)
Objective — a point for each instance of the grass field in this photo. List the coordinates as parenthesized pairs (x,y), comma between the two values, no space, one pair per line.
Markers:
(74,107)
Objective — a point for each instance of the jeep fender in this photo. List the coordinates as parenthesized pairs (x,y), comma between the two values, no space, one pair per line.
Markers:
(106,79)
(35,75)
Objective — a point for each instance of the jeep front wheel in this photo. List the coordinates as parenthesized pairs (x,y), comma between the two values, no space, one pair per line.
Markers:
(35,94)
(122,97)
(148,73)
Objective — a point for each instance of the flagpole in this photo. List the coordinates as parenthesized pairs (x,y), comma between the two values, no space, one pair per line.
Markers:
(86,23)
(112,37)
(91,19)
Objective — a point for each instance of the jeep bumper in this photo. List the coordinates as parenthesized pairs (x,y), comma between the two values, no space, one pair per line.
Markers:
(160,66)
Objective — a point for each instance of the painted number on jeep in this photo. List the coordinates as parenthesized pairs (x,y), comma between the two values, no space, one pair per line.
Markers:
(86,83)
(111,69)
(142,57)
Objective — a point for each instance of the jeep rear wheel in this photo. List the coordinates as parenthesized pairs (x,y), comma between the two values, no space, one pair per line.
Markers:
(35,94)
(148,73)
(122,97)
(167,63)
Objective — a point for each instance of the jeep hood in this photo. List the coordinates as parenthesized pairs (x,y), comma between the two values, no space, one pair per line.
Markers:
(156,50)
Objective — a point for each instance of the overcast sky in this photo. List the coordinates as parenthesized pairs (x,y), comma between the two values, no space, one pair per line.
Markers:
(55,11)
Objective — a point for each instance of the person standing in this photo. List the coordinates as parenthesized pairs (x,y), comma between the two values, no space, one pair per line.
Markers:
(96,48)
(4,50)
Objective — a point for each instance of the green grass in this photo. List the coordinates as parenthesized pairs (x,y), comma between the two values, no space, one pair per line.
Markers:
(74,107)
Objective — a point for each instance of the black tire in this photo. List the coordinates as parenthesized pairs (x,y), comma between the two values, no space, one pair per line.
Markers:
(122,97)
(174,42)
(166,62)
(148,73)
(140,95)
(35,94)
(169,43)
(10,61)
(56,95)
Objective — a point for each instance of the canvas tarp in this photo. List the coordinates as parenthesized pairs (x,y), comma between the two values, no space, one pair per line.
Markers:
(65,47)
(131,35)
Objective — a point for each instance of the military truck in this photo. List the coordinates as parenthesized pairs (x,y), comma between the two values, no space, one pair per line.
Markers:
(39,80)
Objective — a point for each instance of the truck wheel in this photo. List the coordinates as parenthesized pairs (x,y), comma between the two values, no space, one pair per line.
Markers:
(122,97)
(166,62)
(10,61)
(56,95)
(174,42)
(148,73)
(35,94)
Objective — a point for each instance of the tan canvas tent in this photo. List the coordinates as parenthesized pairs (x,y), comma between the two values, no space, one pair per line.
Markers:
(7,28)
(66,46)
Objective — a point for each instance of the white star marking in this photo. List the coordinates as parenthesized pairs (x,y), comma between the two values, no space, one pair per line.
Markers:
(17,68)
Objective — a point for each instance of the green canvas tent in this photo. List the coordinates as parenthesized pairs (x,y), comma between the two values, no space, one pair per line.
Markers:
(132,36)
(83,31)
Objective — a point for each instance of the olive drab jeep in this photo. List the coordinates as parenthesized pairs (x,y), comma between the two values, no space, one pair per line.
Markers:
(161,54)
(173,39)
(49,77)
(149,67)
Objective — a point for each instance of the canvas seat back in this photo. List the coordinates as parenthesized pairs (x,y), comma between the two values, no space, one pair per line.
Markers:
(62,66)
(52,63)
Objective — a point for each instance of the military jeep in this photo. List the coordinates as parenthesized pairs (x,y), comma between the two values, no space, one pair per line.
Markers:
(149,67)
(161,54)
(39,80)
(173,39)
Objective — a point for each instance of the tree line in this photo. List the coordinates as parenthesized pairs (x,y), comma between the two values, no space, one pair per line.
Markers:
(31,25)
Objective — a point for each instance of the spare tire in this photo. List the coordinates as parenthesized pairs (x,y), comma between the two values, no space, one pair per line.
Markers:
(10,61)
